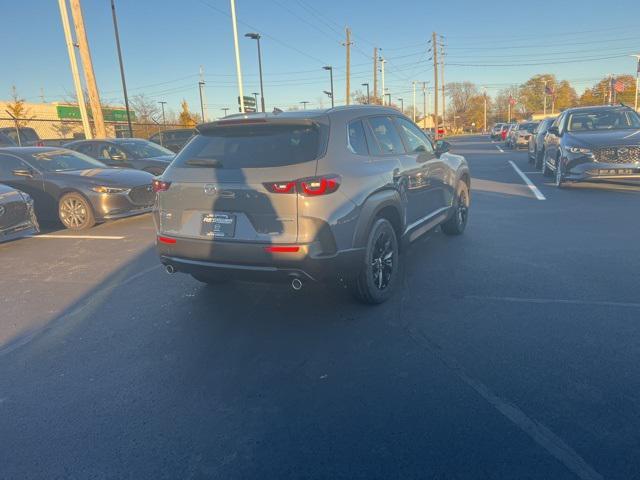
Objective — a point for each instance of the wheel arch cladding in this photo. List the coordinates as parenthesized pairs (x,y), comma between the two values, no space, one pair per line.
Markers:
(386,204)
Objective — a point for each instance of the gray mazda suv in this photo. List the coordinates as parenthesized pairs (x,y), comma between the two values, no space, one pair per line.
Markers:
(323,195)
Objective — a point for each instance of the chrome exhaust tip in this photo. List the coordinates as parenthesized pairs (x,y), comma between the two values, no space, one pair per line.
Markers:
(170,269)
(296,284)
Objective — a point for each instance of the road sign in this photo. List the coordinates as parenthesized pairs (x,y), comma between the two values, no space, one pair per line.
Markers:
(248,102)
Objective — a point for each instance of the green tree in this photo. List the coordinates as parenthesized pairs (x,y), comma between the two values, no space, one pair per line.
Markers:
(599,93)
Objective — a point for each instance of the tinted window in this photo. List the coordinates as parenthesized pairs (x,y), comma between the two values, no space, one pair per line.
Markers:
(386,134)
(529,127)
(111,152)
(357,138)
(605,119)
(9,163)
(416,140)
(61,160)
(143,149)
(254,146)
(86,148)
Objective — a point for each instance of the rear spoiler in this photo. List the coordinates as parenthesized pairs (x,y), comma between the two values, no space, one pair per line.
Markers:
(234,122)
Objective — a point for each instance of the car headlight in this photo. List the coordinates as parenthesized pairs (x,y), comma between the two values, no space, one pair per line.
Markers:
(103,189)
(579,150)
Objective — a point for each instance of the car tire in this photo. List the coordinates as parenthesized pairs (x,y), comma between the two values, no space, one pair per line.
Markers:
(538,160)
(456,224)
(210,278)
(546,171)
(378,275)
(559,180)
(75,212)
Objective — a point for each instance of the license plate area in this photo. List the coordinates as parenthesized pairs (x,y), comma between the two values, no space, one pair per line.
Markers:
(218,225)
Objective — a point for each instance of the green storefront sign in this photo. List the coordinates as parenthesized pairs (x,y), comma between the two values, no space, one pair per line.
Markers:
(70,112)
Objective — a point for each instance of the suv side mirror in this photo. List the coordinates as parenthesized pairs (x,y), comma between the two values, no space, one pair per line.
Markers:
(442,147)
(554,131)
(23,172)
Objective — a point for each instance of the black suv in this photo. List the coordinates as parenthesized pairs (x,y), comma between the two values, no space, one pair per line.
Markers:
(593,143)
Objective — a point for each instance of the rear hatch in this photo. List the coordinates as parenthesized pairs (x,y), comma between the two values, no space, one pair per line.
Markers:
(233,181)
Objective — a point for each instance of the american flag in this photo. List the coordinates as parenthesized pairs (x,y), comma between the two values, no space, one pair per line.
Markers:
(618,86)
(548,90)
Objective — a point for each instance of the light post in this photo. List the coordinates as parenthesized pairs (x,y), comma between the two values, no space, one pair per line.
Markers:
(401,100)
(368,98)
(256,37)
(485,109)
(388,95)
(304,104)
(225,110)
(164,120)
(330,68)
(255,95)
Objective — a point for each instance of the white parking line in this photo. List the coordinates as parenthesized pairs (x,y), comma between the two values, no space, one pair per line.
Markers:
(499,148)
(83,237)
(529,183)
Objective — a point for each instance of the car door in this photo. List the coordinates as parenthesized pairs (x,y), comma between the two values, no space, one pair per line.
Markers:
(408,175)
(426,179)
(18,174)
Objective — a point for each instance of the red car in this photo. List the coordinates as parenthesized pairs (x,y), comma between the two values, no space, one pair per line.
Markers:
(503,132)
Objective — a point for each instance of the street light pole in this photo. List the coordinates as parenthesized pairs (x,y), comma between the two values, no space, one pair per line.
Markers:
(368,98)
(330,68)
(401,100)
(485,110)
(388,95)
(234,25)
(257,37)
(304,104)
(225,110)
(124,83)
(414,101)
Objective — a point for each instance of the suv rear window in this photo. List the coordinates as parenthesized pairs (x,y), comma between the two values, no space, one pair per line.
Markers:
(254,146)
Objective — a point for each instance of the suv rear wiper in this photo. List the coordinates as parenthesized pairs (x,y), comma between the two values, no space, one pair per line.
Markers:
(204,162)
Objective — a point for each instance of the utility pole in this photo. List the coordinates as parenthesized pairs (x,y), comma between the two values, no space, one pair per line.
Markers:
(375,74)
(485,109)
(414,101)
(164,121)
(388,95)
(124,83)
(225,110)
(348,45)
(434,45)
(382,62)
(87,66)
(74,69)
(200,85)
(330,69)
(637,57)
(237,51)
(444,98)
(203,95)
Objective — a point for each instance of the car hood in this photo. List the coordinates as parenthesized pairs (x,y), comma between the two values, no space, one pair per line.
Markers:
(125,177)
(604,138)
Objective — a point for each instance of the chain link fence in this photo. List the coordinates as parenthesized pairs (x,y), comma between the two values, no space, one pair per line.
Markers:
(34,131)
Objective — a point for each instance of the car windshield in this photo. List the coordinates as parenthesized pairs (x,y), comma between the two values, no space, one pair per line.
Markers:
(605,119)
(252,146)
(63,160)
(144,148)
(529,127)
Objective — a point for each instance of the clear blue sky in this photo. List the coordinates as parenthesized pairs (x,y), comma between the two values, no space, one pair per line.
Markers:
(165,41)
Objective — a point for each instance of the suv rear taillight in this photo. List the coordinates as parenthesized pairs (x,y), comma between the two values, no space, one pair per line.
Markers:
(159,185)
(309,187)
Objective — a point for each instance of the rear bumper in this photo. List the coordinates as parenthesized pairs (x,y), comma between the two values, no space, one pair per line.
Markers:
(250,261)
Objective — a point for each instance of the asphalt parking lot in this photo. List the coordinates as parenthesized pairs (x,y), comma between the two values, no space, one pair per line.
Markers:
(509,352)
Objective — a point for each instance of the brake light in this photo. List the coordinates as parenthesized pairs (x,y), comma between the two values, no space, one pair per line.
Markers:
(281,249)
(307,186)
(281,187)
(160,185)
(319,185)
(167,240)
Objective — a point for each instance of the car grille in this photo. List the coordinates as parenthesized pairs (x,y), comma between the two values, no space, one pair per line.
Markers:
(617,154)
(142,195)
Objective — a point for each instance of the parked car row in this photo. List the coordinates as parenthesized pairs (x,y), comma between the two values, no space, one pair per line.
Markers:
(598,143)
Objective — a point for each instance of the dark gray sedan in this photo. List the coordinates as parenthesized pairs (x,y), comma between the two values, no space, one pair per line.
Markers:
(126,152)
(17,217)
(74,188)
